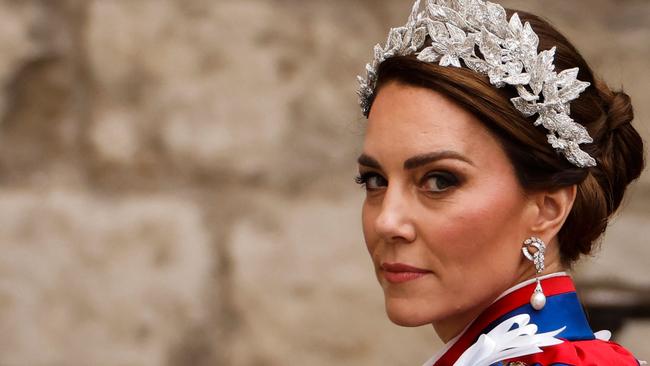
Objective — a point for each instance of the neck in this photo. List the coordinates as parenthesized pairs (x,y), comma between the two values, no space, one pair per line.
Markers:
(450,327)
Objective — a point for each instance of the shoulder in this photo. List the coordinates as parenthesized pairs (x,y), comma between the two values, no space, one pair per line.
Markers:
(579,353)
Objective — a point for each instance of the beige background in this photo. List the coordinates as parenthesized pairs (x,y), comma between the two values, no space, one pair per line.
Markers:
(176,180)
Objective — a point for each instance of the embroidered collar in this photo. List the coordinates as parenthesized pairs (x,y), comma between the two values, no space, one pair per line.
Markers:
(562,309)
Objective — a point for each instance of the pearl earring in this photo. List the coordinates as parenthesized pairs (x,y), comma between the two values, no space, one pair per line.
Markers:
(537,299)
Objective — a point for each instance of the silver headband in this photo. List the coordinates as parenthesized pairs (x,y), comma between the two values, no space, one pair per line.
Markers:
(508,56)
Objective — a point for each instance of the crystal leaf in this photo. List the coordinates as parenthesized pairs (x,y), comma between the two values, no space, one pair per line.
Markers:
(567,77)
(450,60)
(436,11)
(570,130)
(429,55)
(580,158)
(414,12)
(497,18)
(390,53)
(477,64)
(548,122)
(514,67)
(362,81)
(518,79)
(419,37)
(379,53)
(437,30)
(496,13)
(452,4)
(542,66)
(515,24)
(572,91)
(525,94)
(529,38)
(441,48)
(476,13)
(407,39)
(455,18)
(508,56)
(556,142)
(526,108)
(546,59)
(395,41)
(467,47)
(490,48)
(456,34)
(549,90)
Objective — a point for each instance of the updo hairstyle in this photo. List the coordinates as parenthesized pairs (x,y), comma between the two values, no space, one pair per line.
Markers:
(607,115)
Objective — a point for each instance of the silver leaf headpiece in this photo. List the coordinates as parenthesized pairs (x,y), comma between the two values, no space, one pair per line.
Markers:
(508,56)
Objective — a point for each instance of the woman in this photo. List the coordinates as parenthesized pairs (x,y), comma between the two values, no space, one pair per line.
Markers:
(492,160)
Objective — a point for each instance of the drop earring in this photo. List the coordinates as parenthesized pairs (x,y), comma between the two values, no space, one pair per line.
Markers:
(537,299)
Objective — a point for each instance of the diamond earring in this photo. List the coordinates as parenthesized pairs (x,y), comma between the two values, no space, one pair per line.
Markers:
(537,299)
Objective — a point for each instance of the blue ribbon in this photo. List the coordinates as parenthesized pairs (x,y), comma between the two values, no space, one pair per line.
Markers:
(560,310)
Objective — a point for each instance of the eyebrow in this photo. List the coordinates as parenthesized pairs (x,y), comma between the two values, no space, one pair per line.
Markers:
(369,161)
(418,160)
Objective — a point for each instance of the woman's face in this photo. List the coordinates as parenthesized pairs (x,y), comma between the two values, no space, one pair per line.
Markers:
(442,197)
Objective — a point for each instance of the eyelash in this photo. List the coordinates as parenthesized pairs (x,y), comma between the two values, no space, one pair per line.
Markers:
(449,177)
(362,179)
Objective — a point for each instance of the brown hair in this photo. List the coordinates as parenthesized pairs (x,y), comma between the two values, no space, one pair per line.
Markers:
(607,115)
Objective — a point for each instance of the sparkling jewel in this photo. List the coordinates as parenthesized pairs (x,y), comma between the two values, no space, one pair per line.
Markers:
(508,56)
(538,257)
(538,299)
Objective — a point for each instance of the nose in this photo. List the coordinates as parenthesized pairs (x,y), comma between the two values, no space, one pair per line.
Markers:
(395,222)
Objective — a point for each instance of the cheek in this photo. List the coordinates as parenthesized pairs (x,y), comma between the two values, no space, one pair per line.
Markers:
(480,226)
(367,221)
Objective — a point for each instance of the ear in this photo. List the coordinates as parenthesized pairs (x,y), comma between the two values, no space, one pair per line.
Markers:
(553,207)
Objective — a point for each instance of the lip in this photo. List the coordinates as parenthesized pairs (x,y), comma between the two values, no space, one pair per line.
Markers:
(400,272)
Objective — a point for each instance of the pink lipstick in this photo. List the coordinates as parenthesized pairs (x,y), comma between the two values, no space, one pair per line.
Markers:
(399,272)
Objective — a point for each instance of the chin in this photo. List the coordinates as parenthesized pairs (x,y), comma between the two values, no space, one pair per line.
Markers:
(407,313)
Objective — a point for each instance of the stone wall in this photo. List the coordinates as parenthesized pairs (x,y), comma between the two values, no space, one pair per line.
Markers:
(176,180)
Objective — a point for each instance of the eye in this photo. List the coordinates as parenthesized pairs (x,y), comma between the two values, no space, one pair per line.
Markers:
(372,181)
(439,181)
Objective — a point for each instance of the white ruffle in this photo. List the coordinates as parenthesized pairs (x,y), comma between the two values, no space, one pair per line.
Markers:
(504,342)
(603,335)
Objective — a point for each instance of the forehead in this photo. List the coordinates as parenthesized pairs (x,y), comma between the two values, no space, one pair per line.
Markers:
(407,120)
